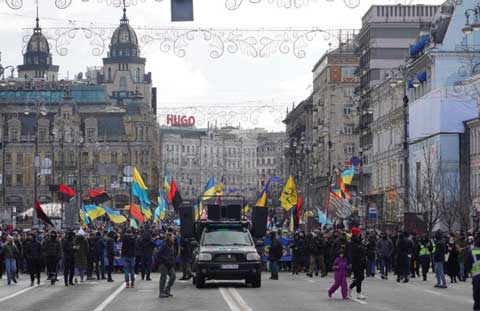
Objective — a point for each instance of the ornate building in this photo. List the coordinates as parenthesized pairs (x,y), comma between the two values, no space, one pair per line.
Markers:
(84,135)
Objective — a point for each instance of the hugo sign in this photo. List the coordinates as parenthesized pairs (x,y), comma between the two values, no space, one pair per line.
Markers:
(175,120)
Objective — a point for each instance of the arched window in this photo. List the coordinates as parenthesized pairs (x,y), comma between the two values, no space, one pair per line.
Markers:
(122,84)
(109,74)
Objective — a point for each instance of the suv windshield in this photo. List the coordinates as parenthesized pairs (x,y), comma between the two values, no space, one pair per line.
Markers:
(224,238)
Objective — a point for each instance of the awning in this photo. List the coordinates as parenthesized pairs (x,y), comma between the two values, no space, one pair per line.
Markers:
(419,46)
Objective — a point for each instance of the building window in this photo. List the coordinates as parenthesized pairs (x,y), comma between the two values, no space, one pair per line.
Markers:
(42,134)
(13,135)
(90,134)
(19,180)
(349,148)
(125,158)
(348,129)
(347,109)
(8,180)
(109,74)
(19,159)
(114,158)
(8,158)
(122,84)
(348,72)
(137,75)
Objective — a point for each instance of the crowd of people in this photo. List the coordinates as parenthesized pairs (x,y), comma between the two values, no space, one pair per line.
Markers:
(366,254)
(95,254)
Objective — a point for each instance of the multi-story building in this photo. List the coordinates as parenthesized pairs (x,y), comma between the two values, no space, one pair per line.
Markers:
(193,155)
(387,32)
(84,135)
(335,122)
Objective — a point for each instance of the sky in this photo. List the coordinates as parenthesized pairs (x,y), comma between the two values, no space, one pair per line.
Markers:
(234,89)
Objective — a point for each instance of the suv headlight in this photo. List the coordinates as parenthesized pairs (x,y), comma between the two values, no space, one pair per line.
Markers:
(204,257)
(253,257)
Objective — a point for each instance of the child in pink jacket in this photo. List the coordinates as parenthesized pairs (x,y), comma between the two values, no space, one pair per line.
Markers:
(340,266)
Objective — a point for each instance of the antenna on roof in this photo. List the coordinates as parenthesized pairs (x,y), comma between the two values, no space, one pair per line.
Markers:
(37,19)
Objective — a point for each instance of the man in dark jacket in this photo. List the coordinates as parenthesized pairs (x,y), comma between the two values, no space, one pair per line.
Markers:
(274,255)
(166,258)
(384,251)
(439,260)
(110,245)
(99,255)
(68,258)
(128,255)
(53,253)
(147,246)
(357,259)
(32,251)
(316,248)
(403,263)
(90,258)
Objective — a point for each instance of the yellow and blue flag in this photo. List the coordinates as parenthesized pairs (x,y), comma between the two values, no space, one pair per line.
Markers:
(347,175)
(115,216)
(140,193)
(167,180)
(246,209)
(262,198)
(83,216)
(133,223)
(159,213)
(94,211)
(288,198)
(146,211)
(210,189)
(137,178)
(219,187)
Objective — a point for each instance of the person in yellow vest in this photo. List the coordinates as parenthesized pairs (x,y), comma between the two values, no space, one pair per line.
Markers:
(473,261)
(425,249)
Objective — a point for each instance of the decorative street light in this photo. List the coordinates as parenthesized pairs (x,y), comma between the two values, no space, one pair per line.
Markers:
(475,26)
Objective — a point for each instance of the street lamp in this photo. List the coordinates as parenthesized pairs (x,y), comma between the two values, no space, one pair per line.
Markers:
(40,110)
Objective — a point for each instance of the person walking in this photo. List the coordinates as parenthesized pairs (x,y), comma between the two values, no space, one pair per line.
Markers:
(370,248)
(68,258)
(274,255)
(403,260)
(384,251)
(147,246)
(90,258)
(186,254)
(424,252)
(166,259)
(53,253)
(453,267)
(81,254)
(110,246)
(473,261)
(99,255)
(357,260)
(128,255)
(9,253)
(439,260)
(317,250)
(340,267)
(298,251)
(33,255)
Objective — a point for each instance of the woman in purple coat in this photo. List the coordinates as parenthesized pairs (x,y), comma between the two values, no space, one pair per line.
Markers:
(340,266)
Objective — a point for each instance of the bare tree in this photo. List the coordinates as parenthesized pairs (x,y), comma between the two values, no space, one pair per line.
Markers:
(426,192)
(450,202)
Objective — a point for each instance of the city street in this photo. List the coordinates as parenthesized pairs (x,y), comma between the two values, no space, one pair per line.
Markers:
(289,293)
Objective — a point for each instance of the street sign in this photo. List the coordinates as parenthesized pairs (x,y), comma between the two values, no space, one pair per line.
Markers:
(372,213)
(127,179)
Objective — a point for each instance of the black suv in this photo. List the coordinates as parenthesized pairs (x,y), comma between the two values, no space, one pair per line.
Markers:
(226,252)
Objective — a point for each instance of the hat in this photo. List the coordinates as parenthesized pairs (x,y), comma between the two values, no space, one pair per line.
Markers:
(80,232)
(356,231)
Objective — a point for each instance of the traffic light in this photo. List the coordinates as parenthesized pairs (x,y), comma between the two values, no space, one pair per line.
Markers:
(182,10)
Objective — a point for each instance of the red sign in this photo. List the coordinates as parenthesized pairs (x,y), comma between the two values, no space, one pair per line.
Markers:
(175,120)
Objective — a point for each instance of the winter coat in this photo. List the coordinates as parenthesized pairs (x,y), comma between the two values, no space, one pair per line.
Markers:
(32,250)
(147,246)
(139,247)
(402,250)
(440,251)
(9,251)
(68,250)
(110,245)
(298,250)
(99,248)
(81,253)
(357,255)
(370,250)
(128,246)
(166,254)
(340,266)
(384,247)
(316,246)
(53,248)
(186,251)
(276,250)
(453,268)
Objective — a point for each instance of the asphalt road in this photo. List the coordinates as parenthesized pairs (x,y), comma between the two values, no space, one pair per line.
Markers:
(289,293)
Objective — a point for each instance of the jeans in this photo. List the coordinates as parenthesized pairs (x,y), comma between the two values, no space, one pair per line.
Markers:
(100,267)
(146,266)
(440,273)
(11,269)
(110,267)
(128,269)
(371,267)
(273,267)
(462,275)
(384,265)
(166,271)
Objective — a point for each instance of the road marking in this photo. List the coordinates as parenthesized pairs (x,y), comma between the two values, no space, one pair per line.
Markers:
(109,299)
(432,292)
(359,301)
(19,292)
(233,299)
(309,280)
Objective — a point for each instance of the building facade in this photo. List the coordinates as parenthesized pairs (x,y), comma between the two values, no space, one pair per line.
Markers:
(84,135)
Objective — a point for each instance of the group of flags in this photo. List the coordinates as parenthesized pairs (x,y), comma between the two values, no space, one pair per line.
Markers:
(339,197)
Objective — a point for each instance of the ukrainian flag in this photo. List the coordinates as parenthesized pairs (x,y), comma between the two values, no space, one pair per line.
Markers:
(94,211)
(137,178)
(115,216)
(347,175)
(159,213)
(219,187)
(167,180)
(140,193)
(262,199)
(246,209)
(146,211)
(84,217)
(210,189)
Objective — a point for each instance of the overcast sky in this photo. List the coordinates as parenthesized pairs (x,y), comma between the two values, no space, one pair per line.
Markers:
(232,89)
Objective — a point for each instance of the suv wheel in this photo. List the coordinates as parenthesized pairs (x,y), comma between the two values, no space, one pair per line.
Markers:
(256,281)
(199,280)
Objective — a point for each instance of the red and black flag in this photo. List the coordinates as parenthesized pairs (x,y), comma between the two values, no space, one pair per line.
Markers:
(298,210)
(98,196)
(41,214)
(174,196)
(65,193)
